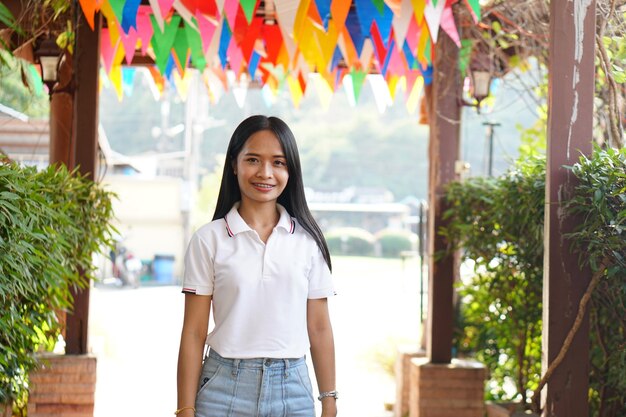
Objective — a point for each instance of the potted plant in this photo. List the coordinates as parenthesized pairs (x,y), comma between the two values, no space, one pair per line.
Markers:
(51,222)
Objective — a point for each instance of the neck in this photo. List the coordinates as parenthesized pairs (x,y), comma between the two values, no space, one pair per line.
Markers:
(259,215)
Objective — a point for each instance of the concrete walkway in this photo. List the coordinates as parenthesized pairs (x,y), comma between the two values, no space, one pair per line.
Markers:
(135,334)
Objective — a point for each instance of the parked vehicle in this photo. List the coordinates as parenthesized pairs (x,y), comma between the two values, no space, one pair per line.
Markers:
(126,266)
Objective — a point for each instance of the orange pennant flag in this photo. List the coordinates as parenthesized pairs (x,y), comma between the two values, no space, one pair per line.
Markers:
(90,7)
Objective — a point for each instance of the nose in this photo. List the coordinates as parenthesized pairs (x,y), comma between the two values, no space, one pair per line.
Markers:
(265,170)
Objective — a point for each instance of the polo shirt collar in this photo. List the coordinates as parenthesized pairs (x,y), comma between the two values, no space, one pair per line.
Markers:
(235,223)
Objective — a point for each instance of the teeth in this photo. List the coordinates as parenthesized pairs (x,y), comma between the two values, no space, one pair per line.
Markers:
(263,185)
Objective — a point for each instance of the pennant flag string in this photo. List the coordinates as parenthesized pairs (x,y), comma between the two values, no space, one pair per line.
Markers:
(276,44)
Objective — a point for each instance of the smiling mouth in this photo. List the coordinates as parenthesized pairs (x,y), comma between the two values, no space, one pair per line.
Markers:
(264,186)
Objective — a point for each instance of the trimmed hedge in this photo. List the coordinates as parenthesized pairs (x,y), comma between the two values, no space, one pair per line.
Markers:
(393,242)
(350,241)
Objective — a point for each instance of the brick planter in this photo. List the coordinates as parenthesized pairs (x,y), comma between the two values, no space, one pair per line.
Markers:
(403,373)
(447,390)
(64,386)
(507,410)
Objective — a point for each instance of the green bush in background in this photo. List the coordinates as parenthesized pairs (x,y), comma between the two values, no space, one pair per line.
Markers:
(350,241)
(51,222)
(393,242)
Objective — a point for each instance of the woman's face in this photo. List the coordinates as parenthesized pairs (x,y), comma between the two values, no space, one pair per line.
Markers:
(261,169)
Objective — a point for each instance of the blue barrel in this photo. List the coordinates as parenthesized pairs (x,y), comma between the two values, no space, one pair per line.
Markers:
(163,268)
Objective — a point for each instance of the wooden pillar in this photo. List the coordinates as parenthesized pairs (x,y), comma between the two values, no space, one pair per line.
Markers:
(570,109)
(84,152)
(443,152)
(61,110)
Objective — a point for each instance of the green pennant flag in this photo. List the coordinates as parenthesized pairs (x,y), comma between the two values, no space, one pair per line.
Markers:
(428,51)
(181,48)
(358,77)
(165,39)
(464,55)
(475,6)
(118,8)
(380,6)
(195,44)
(35,79)
(162,42)
(248,7)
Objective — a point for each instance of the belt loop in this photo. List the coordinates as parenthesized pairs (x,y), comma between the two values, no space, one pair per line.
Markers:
(286,368)
(236,367)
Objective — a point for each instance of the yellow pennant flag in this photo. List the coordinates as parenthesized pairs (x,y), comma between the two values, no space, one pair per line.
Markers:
(115,76)
(295,90)
(414,98)
(324,91)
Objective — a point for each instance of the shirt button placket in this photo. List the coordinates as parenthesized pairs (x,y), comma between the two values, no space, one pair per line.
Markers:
(264,276)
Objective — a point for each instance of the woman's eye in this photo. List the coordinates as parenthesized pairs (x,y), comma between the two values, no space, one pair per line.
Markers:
(280,163)
(252,160)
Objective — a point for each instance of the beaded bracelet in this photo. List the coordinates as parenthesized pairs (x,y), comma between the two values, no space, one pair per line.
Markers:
(180,410)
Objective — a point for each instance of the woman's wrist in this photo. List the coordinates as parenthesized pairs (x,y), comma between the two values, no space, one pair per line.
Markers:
(185,411)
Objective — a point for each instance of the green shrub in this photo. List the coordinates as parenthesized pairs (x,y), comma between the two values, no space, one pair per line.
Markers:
(51,222)
(350,241)
(393,242)
(600,202)
(499,224)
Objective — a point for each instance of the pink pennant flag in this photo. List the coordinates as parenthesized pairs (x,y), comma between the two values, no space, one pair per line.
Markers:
(107,49)
(207,30)
(397,65)
(235,57)
(432,15)
(144,27)
(165,6)
(129,40)
(230,10)
(448,25)
(411,77)
(413,35)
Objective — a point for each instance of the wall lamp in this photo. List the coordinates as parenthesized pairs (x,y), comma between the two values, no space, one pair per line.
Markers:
(49,55)
(480,81)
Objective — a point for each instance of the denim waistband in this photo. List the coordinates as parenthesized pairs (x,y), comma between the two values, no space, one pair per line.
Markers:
(257,363)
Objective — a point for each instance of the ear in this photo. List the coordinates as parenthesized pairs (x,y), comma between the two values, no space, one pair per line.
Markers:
(233,164)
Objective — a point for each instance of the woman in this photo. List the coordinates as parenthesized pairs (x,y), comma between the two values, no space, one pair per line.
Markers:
(264,267)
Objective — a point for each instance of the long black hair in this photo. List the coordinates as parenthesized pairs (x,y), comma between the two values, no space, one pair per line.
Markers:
(292,197)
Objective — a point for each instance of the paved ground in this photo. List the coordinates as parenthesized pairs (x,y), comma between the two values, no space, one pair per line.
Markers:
(135,334)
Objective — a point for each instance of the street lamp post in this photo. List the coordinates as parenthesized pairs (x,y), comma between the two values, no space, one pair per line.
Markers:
(490,129)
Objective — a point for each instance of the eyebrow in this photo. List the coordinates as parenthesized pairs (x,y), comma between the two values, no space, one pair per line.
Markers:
(256,154)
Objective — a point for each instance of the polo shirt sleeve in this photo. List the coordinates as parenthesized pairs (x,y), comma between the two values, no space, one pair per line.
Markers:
(199,276)
(320,279)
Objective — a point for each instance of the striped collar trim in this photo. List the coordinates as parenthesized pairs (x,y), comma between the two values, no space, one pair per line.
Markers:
(235,224)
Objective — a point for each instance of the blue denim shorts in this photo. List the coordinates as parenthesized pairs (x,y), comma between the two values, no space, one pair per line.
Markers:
(254,388)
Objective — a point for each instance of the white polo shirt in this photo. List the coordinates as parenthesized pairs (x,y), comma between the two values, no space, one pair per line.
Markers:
(259,290)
